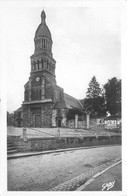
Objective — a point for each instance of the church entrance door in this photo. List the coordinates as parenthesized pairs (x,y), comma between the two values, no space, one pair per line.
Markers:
(37,120)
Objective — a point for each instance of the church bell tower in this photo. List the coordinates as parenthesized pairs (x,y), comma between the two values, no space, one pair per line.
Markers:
(39,94)
(42,65)
(42,62)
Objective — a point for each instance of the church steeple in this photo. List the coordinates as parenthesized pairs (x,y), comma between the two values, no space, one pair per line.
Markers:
(43,30)
(42,59)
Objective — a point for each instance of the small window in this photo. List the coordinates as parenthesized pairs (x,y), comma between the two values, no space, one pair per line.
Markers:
(38,64)
(42,62)
(43,43)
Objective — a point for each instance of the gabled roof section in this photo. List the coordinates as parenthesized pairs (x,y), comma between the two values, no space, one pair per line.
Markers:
(19,110)
(72,102)
(68,102)
(81,101)
(60,105)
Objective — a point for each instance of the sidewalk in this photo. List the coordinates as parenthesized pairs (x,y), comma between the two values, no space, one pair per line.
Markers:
(27,154)
(107,180)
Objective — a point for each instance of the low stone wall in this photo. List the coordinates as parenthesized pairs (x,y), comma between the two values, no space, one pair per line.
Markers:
(42,144)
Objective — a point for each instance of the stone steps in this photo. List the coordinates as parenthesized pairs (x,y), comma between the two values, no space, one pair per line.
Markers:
(10,147)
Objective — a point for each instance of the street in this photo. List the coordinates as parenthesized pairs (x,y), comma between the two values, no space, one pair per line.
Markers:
(44,172)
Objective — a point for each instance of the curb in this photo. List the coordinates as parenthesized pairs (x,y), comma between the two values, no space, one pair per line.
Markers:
(81,188)
(74,184)
(16,156)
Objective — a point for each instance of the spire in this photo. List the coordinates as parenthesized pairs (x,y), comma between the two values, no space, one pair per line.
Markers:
(43,30)
(43,17)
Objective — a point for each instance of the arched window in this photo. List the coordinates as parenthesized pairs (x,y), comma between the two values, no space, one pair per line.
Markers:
(41,43)
(44,43)
(38,64)
(42,62)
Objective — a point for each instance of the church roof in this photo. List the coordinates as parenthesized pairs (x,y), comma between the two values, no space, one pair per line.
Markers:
(19,110)
(60,105)
(72,102)
(43,30)
(81,101)
(68,102)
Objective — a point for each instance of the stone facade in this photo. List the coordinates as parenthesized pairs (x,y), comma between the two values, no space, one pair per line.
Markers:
(41,91)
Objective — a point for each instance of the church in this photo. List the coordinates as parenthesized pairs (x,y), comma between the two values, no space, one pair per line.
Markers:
(45,103)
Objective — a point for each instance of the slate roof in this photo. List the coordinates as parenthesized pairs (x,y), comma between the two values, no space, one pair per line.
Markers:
(69,102)
(81,101)
(43,30)
(72,102)
(60,105)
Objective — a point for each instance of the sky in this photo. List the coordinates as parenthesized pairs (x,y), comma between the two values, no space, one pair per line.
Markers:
(86,43)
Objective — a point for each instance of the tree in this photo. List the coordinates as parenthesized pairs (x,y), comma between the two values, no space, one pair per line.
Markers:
(113,96)
(94,89)
(94,103)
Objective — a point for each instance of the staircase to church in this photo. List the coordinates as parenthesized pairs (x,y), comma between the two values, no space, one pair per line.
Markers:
(10,147)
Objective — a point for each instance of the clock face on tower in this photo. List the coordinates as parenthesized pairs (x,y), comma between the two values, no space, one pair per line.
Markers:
(37,79)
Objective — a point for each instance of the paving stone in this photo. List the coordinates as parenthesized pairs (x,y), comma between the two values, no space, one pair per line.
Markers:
(74,183)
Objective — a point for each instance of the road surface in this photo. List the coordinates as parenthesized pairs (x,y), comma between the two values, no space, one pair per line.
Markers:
(43,172)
